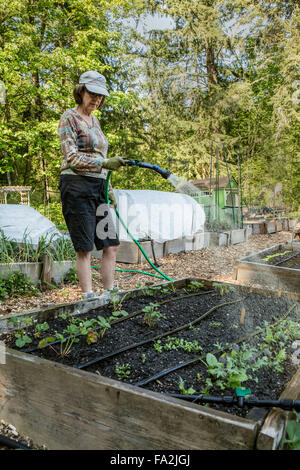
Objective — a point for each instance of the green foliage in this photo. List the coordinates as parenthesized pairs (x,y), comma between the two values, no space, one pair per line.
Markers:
(17,283)
(178,343)
(151,314)
(291,440)
(184,391)
(267,258)
(71,276)
(123,371)
(53,212)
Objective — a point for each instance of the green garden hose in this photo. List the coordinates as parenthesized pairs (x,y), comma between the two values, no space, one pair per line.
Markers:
(162,275)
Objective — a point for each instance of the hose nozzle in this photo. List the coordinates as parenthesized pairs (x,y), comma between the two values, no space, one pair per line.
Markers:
(164,173)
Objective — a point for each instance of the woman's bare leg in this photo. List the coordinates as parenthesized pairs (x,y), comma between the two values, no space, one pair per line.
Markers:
(108,264)
(83,264)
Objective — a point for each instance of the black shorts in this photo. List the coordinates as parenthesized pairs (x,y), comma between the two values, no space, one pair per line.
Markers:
(88,217)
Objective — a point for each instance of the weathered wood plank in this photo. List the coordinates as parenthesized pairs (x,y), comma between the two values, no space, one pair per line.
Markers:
(273,428)
(66,408)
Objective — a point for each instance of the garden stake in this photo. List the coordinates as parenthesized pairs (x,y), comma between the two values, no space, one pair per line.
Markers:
(242,319)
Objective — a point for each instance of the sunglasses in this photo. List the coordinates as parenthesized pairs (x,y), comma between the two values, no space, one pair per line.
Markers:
(94,94)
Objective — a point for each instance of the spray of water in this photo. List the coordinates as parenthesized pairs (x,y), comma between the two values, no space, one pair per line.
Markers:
(183,186)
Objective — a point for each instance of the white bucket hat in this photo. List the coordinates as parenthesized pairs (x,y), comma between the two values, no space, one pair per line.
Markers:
(94,82)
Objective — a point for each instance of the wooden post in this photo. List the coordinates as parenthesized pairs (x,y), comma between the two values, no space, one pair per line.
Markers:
(47,269)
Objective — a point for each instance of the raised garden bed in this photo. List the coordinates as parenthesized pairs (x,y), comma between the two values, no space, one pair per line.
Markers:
(276,267)
(114,393)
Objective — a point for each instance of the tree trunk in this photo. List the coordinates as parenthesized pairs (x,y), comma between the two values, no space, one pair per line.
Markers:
(211,68)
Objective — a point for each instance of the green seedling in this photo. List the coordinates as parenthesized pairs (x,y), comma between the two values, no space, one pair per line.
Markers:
(117,314)
(45,342)
(215,324)
(292,434)
(195,285)
(22,337)
(151,314)
(40,328)
(71,276)
(67,341)
(123,371)
(267,258)
(103,325)
(184,391)
(235,367)
(157,346)
(116,301)
(180,343)
(223,288)
(144,358)
(91,337)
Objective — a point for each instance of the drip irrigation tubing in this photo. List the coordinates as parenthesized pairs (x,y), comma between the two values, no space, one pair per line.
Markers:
(118,320)
(294,255)
(12,444)
(170,332)
(285,403)
(164,372)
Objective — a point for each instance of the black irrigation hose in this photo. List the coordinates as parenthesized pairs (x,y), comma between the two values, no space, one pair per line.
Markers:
(170,332)
(199,358)
(286,403)
(36,348)
(294,255)
(12,444)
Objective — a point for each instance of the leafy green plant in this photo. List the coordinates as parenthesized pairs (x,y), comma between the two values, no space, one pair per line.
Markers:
(61,249)
(291,438)
(91,337)
(234,368)
(157,346)
(180,343)
(144,358)
(40,328)
(117,301)
(17,283)
(151,314)
(103,325)
(25,251)
(195,285)
(71,276)
(123,371)
(275,340)
(223,288)
(184,391)
(66,343)
(21,324)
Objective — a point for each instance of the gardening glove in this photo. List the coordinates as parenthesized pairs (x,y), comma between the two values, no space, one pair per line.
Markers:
(113,163)
(112,198)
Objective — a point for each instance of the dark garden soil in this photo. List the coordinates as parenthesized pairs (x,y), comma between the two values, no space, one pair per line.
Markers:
(282,257)
(230,317)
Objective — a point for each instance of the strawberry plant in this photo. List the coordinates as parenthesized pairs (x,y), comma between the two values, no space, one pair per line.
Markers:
(151,314)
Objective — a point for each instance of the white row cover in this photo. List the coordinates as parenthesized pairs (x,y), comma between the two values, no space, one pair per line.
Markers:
(20,222)
(157,215)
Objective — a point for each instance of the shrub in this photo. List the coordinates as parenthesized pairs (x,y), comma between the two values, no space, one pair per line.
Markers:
(17,283)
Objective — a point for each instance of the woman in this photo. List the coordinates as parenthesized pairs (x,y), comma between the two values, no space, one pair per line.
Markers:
(82,183)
